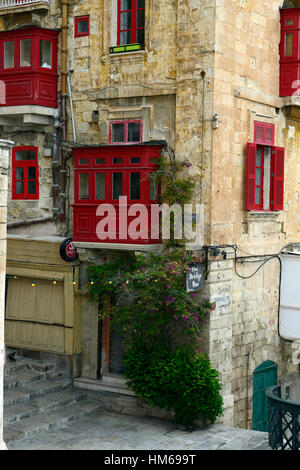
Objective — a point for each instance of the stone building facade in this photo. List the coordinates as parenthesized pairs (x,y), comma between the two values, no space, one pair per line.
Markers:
(5,147)
(209,72)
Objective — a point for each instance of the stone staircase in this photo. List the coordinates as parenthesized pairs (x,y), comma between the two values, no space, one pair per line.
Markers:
(38,397)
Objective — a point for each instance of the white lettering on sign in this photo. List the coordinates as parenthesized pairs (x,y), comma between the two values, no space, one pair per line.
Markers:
(194,278)
(221,300)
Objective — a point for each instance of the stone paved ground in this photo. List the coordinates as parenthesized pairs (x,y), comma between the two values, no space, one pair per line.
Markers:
(112,431)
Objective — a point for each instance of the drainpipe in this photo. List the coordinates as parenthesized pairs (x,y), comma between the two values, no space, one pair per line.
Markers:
(71,106)
(55,164)
(63,92)
(28,222)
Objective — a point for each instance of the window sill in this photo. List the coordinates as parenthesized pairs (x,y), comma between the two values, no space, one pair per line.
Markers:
(133,55)
(258,215)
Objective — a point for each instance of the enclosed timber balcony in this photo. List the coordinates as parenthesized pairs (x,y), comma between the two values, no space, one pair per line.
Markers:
(28,75)
(19,6)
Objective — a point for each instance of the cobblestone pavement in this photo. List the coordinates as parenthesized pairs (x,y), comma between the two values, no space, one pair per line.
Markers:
(112,431)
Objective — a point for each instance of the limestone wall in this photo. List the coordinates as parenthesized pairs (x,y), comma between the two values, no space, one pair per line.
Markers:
(246,88)
(4,161)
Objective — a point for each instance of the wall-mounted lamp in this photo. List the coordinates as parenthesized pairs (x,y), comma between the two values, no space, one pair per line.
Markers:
(216,121)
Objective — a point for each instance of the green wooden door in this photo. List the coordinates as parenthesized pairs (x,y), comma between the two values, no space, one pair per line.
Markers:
(263,377)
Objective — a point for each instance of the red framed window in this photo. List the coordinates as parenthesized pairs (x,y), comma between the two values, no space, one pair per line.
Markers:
(25,173)
(28,66)
(102,175)
(82,26)
(264,178)
(131,22)
(263,133)
(125,132)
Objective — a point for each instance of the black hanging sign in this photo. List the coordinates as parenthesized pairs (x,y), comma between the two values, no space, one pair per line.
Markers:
(194,278)
(67,250)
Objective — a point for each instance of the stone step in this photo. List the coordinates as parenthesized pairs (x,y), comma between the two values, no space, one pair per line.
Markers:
(27,409)
(13,367)
(30,427)
(38,389)
(41,366)
(22,378)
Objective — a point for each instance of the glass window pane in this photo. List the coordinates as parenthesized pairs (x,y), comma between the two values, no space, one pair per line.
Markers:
(83,161)
(289,22)
(25,155)
(134,132)
(288,44)
(135,186)
(117,185)
(83,186)
(9,54)
(125,4)
(125,20)
(257,195)
(258,157)
(117,160)
(31,173)
(25,53)
(82,26)
(140,36)
(31,187)
(100,186)
(117,132)
(45,54)
(100,161)
(153,189)
(140,18)
(154,160)
(135,160)
(125,37)
(19,173)
(258,176)
(19,187)
(140,4)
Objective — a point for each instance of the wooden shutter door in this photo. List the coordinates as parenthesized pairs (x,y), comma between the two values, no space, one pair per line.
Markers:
(277,178)
(250,176)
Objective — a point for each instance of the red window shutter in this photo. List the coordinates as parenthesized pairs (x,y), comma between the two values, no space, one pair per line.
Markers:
(250,176)
(269,134)
(263,133)
(277,178)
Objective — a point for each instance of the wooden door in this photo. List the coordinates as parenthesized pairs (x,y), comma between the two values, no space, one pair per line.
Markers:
(35,316)
(263,377)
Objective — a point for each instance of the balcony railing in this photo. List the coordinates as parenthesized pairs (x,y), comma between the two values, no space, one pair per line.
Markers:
(19,3)
(284,421)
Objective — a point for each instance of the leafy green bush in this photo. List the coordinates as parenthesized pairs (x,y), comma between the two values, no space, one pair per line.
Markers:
(180,382)
(160,323)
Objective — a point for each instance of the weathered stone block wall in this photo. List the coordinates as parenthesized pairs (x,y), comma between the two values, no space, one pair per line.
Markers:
(4,162)
(246,88)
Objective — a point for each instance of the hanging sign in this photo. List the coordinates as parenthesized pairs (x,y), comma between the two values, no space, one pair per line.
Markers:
(289,313)
(194,278)
(67,250)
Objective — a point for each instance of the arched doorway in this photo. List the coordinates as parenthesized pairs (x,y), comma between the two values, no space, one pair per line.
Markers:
(264,376)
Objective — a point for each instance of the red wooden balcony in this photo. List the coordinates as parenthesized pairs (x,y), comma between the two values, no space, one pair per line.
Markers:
(102,175)
(28,67)
(290,52)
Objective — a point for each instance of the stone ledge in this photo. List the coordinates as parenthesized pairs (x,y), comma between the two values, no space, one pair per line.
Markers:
(261,215)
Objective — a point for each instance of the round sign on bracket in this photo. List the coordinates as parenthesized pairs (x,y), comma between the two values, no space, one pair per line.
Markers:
(67,250)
